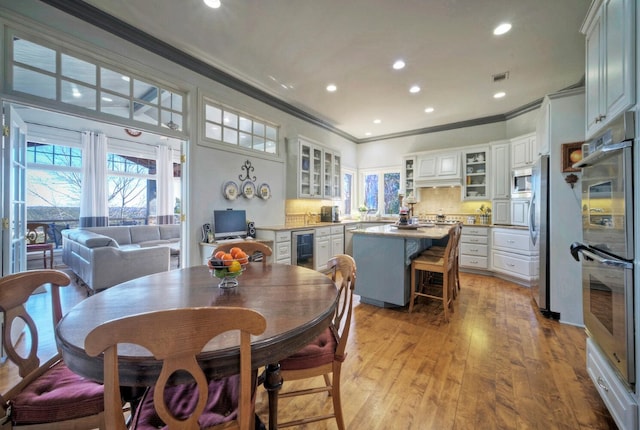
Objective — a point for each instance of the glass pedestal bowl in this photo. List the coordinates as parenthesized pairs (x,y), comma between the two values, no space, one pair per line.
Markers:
(228,278)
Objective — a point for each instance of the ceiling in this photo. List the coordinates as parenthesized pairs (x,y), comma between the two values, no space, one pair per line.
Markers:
(292,49)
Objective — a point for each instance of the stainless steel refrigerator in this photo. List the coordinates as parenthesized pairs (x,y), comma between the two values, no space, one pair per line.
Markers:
(539,234)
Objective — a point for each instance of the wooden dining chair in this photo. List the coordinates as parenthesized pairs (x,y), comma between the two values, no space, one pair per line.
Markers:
(48,396)
(176,337)
(423,281)
(326,353)
(37,235)
(249,247)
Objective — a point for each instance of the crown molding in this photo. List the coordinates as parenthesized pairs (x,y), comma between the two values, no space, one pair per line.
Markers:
(119,28)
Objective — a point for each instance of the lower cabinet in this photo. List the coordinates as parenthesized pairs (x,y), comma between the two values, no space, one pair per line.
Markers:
(337,240)
(615,395)
(474,247)
(322,248)
(513,254)
(281,247)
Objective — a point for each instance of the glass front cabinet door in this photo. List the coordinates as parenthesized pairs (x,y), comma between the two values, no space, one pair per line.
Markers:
(475,186)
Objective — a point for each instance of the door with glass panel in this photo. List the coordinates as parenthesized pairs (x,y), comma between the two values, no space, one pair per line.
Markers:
(14,210)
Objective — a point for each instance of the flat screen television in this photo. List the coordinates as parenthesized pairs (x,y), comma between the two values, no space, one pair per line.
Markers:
(229,224)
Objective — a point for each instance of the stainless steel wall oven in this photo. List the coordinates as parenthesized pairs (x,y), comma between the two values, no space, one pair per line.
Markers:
(607,247)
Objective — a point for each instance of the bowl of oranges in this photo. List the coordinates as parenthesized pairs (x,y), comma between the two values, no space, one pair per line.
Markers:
(227,266)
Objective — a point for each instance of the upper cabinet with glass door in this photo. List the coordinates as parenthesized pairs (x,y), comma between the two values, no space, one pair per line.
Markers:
(408,173)
(475,186)
(310,169)
(314,170)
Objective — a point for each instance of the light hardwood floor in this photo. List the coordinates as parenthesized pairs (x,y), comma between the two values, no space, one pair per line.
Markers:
(497,365)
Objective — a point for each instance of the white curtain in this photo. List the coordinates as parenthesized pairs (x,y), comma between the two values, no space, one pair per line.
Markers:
(164,186)
(94,211)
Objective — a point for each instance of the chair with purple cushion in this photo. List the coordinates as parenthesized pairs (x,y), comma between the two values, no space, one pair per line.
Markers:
(327,352)
(48,396)
(176,337)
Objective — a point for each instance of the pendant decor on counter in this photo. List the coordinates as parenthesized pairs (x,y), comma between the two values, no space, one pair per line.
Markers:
(247,187)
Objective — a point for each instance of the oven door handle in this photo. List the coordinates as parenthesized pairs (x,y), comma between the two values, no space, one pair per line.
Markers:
(607,261)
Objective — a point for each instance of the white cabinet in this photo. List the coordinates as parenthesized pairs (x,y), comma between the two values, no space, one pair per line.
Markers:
(501,211)
(476,167)
(441,168)
(512,254)
(281,241)
(314,171)
(337,240)
(310,170)
(408,172)
(500,170)
(618,399)
(520,212)
(322,248)
(524,151)
(331,179)
(610,61)
(474,247)
(426,168)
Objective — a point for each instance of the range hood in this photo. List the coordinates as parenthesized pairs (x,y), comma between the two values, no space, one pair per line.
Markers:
(438,183)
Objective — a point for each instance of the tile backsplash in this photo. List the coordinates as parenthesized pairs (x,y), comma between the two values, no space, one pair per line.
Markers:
(447,200)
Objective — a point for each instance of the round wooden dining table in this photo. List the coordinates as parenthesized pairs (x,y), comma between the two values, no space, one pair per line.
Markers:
(298,304)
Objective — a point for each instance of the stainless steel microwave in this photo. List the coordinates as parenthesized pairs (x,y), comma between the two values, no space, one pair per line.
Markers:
(521,183)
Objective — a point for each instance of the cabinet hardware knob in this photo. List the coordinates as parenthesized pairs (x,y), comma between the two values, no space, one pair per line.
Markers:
(602,384)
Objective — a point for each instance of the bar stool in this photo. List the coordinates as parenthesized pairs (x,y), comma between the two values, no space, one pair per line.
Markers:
(439,250)
(425,266)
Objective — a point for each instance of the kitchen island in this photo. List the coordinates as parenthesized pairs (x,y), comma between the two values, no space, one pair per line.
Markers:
(383,256)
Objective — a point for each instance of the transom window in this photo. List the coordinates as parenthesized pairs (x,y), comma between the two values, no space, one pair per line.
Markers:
(47,72)
(238,129)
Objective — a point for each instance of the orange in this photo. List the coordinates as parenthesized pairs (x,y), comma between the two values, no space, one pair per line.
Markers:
(241,257)
(233,251)
(227,259)
(219,255)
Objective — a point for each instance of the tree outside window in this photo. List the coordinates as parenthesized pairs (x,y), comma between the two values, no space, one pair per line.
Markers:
(382,187)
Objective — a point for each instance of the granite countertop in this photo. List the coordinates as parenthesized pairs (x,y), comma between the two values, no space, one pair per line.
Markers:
(387,222)
(430,231)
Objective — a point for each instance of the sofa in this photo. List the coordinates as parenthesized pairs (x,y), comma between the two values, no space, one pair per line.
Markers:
(102,257)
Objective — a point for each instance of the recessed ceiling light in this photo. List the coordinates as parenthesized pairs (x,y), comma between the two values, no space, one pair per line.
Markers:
(429,110)
(368,133)
(399,64)
(331,88)
(377,121)
(214,4)
(414,89)
(502,29)
(499,95)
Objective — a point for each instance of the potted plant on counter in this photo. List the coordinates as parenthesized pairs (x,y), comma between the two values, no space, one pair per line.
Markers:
(485,214)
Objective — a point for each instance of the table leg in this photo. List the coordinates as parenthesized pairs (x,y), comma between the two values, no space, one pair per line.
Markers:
(51,256)
(273,383)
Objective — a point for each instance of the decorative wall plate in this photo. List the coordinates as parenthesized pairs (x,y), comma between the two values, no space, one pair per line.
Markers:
(264,192)
(249,189)
(230,190)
